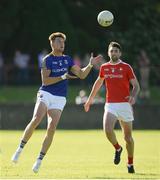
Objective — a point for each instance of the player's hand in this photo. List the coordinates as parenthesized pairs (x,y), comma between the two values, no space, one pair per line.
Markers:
(94,60)
(87,106)
(131,100)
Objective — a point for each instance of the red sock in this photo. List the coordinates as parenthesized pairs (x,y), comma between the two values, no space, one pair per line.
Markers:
(130,160)
(117,146)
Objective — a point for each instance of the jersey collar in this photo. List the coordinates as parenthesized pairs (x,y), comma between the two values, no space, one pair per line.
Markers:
(119,61)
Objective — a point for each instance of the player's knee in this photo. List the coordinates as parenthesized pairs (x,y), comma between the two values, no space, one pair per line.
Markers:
(128,139)
(35,121)
(52,126)
(108,130)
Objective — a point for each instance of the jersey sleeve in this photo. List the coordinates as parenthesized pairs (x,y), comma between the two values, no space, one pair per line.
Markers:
(130,73)
(46,64)
(71,62)
(101,72)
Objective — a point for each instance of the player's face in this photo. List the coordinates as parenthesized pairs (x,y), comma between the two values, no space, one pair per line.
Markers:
(114,53)
(58,44)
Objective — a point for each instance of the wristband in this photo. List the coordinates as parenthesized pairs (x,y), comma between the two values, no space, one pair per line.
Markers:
(90,65)
(64,76)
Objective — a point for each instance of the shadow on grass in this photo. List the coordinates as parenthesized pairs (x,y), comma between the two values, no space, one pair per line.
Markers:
(134,176)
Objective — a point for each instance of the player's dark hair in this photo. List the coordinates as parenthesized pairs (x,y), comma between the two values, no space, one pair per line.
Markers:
(57,34)
(115,44)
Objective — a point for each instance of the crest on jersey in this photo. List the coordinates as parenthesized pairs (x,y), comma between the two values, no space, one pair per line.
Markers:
(41,95)
(60,63)
(65,61)
(113,70)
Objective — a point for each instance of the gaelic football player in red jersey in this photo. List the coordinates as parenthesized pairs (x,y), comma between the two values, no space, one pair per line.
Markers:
(118,76)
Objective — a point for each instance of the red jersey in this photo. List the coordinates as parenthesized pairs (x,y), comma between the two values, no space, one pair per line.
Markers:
(117,81)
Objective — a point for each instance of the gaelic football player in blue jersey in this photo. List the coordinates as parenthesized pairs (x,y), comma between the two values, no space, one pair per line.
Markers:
(51,97)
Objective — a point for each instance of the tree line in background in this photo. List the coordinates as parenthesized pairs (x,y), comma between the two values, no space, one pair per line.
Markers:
(26,25)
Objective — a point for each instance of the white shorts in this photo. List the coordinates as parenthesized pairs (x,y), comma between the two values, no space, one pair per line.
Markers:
(123,111)
(51,101)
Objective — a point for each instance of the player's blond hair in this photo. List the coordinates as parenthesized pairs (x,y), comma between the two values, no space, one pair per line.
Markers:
(56,34)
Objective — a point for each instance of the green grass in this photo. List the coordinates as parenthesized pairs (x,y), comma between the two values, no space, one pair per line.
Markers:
(80,155)
(13,94)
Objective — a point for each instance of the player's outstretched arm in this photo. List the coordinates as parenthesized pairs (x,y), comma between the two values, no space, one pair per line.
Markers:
(82,73)
(97,85)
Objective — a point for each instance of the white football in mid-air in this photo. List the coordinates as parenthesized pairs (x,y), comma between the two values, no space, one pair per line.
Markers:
(105,18)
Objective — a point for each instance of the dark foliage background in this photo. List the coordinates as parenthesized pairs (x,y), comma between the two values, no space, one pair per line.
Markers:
(26,24)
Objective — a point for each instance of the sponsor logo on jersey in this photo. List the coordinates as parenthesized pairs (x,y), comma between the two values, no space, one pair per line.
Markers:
(106,69)
(59,70)
(54,62)
(113,76)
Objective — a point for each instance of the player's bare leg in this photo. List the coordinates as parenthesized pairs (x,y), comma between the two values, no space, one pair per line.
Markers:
(127,129)
(39,112)
(53,119)
(109,121)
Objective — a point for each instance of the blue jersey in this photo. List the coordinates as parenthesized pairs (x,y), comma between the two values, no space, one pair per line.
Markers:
(58,65)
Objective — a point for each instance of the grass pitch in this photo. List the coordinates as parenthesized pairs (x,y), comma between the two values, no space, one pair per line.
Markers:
(80,155)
